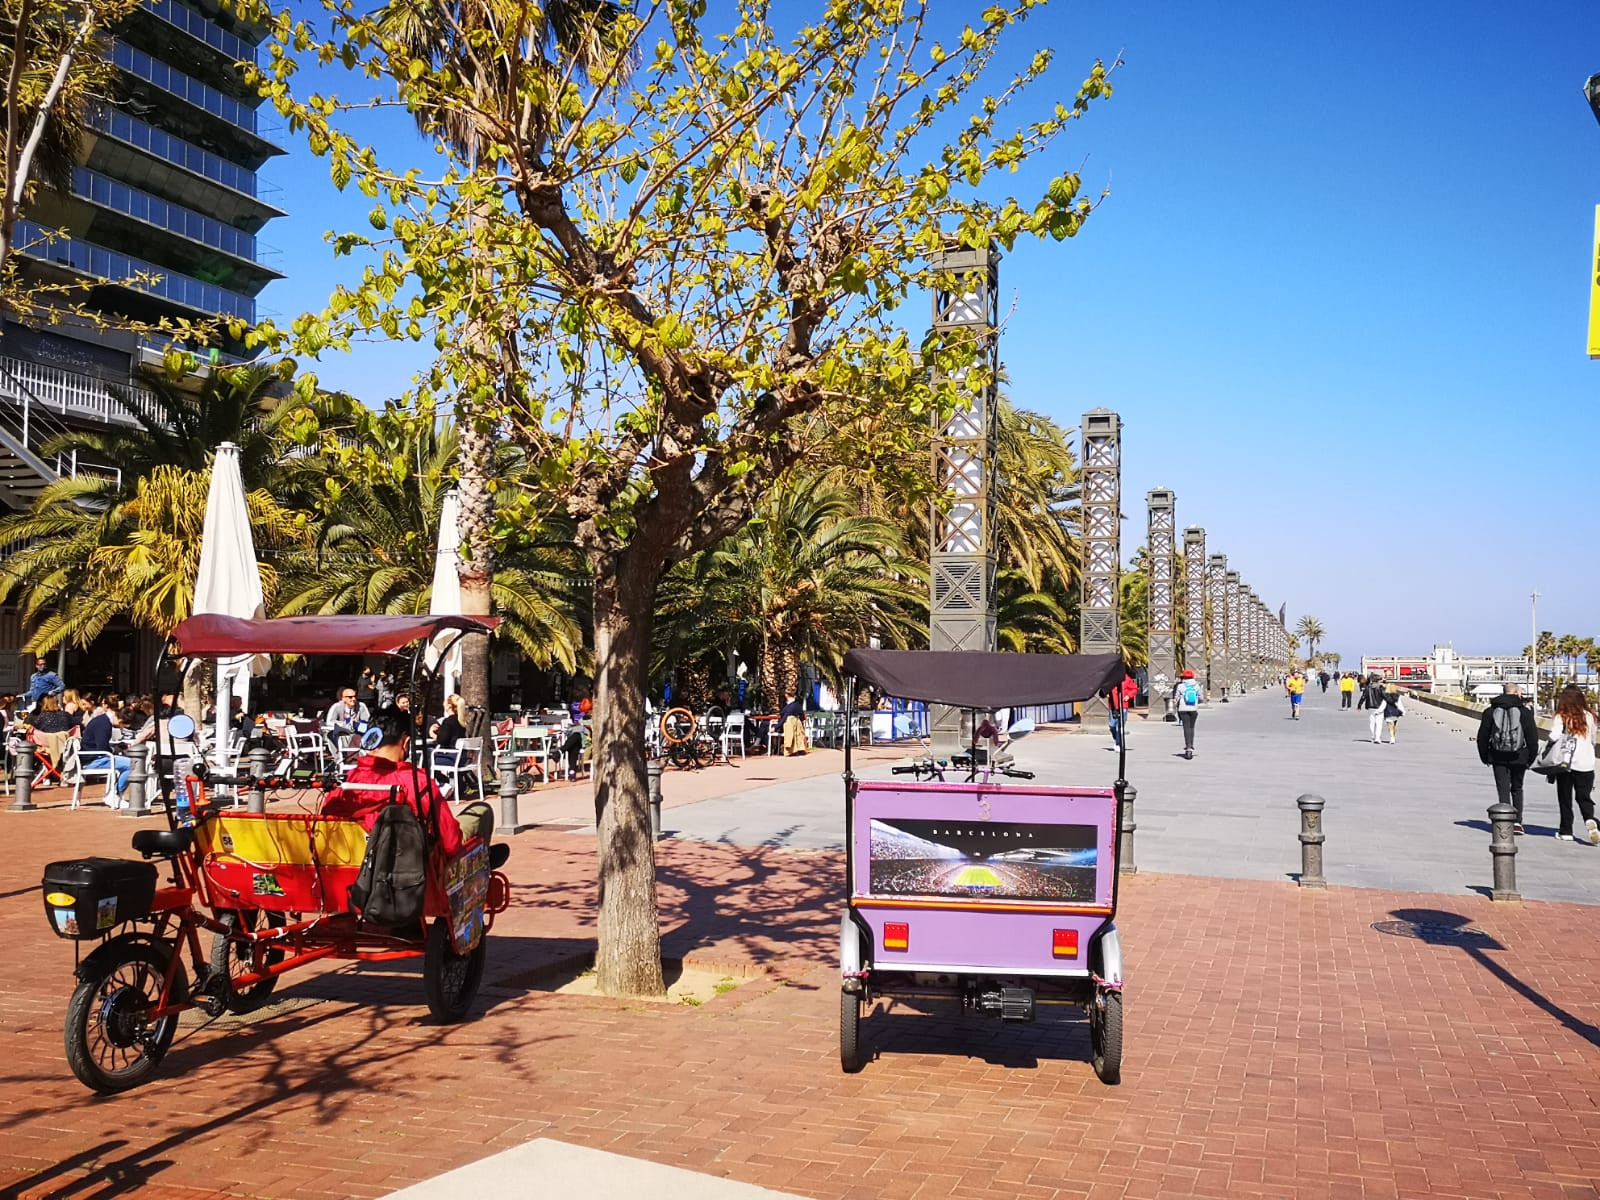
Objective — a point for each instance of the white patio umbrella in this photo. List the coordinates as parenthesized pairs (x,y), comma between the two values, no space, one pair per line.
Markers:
(446,599)
(229,581)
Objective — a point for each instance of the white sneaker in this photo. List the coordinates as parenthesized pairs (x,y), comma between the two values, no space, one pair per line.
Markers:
(1594,831)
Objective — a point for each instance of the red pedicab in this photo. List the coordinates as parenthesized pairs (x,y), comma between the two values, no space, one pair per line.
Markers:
(996,895)
(272,888)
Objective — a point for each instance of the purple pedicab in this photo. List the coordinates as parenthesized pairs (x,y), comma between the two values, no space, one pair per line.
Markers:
(996,894)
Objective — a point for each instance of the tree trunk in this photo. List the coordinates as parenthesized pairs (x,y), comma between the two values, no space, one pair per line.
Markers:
(628,958)
(476,572)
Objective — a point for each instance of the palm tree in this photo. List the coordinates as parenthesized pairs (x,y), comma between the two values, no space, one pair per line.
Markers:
(807,579)
(489,47)
(1568,647)
(80,568)
(1133,611)
(375,546)
(1310,631)
(175,427)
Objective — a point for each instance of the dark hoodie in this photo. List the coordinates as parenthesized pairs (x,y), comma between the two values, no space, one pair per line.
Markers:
(1530,733)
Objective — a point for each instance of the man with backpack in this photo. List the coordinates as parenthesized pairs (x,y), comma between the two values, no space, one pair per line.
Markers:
(1508,739)
(389,766)
(1186,698)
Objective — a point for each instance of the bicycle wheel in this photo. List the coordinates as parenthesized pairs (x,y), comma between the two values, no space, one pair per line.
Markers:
(681,755)
(705,752)
(677,725)
(111,1046)
(233,959)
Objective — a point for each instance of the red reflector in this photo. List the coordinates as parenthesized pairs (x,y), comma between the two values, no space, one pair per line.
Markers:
(1064,943)
(896,935)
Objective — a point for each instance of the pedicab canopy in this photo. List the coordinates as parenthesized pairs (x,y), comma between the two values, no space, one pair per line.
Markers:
(984,679)
(209,634)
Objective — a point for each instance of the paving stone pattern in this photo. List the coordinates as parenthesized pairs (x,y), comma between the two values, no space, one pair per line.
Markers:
(1410,816)
(1277,1046)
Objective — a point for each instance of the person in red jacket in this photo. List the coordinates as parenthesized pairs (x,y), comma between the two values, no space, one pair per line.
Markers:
(390,766)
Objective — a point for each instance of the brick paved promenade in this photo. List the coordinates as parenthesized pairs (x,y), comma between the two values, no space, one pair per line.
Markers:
(1278,1046)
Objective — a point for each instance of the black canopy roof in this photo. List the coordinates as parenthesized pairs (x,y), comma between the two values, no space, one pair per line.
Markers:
(985,679)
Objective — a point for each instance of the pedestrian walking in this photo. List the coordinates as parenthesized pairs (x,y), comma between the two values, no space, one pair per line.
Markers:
(1508,738)
(1575,719)
(1394,707)
(1347,688)
(1295,687)
(1186,699)
(1322,678)
(43,682)
(1372,699)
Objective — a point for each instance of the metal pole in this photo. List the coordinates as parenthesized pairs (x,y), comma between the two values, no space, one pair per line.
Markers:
(1311,839)
(23,770)
(260,764)
(1533,650)
(138,769)
(1503,848)
(653,770)
(1126,795)
(506,765)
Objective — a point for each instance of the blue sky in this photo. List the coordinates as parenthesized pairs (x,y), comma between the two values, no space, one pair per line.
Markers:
(1338,294)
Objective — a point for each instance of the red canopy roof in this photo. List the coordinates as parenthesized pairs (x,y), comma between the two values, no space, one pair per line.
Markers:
(210,634)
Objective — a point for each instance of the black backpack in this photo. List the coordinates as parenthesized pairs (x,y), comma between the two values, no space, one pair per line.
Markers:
(1505,731)
(393,883)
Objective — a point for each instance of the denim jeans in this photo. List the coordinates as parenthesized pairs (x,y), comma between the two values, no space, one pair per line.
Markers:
(94,761)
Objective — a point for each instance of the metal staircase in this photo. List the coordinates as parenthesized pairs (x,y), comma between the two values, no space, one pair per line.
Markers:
(37,404)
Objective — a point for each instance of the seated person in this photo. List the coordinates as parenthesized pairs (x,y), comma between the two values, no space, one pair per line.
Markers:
(95,752)
(389,764)
(450,730)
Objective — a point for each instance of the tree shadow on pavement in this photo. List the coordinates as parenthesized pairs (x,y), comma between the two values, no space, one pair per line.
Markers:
(280,1083)
(1439,928)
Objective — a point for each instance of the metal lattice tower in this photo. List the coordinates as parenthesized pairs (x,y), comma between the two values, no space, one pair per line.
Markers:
(1101,512)
(1161,610)
(966,297)
(1194,601)
(1217,600)
(1252,635)
(1236,662)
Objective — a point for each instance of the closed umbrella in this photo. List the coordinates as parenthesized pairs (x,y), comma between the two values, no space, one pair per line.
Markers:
(229,581)
(446,598)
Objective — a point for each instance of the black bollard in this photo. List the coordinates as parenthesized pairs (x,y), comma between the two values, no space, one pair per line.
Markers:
(653,770)
(1311,839)
(1126,795)
(260,764)
(1503,848)
(22,770)
(506,764)
(138,769)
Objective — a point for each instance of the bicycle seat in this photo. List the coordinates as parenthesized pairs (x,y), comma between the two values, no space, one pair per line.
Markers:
(498,853)
(163,842)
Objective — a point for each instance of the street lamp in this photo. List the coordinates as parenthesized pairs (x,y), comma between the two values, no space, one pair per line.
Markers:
(1591,92)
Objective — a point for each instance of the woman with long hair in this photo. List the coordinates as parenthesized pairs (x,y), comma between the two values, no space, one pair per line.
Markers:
(1576,719)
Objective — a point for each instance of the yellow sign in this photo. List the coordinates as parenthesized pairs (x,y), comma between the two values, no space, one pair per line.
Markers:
(1594,290)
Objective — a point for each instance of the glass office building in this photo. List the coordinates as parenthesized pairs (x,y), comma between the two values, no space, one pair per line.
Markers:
(164,207)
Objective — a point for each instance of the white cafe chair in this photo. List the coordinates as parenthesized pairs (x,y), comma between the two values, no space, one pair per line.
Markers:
(732,734)
(465,759)
(73,768)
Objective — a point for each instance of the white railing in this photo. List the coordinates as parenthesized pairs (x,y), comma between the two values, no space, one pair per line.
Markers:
(39,396)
